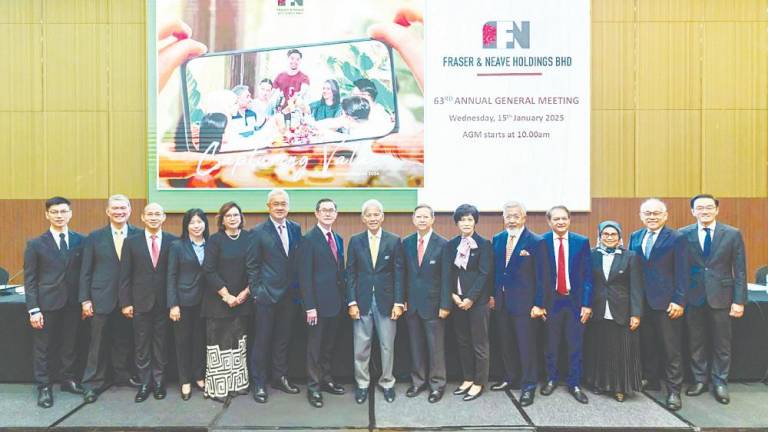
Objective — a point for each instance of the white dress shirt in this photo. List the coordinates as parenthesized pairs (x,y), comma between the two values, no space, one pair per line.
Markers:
(703,234)
(284,235)
(159,240)
(57,237)
(556,245)
(645,238)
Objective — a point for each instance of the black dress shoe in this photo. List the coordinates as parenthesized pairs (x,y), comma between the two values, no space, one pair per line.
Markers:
(186,396)
(90,396)
(389,394)
(673,402)
(332,388)
(696,389)
(414,391)
(721,394)
(159,392)
(285,385)
(501,386)
(44,397)
(435,396)
(315,398)
(459,391)
(260,394)
(548,388)
(470,397)
(526,398)
(361,394)
(142,394)
(578,394)
(72,386)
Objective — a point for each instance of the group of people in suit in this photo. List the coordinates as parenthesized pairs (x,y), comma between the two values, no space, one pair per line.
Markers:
(215,288)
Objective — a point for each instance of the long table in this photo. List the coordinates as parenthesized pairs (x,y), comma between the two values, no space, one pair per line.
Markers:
(749,346)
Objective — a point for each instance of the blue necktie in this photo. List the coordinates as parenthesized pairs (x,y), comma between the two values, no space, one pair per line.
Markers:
(63,246)
(649,244)
(707,242)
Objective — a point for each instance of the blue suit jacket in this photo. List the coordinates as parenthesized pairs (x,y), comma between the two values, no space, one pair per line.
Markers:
(522,278)
(579,271)
(666,270)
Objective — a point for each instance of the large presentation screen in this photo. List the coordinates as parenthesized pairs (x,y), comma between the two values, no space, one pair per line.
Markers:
(431,101)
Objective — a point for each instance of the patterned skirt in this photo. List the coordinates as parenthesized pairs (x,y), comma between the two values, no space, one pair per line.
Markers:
(226,367)
(612,360)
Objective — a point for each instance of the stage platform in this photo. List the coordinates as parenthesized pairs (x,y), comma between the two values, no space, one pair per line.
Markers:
(115,410)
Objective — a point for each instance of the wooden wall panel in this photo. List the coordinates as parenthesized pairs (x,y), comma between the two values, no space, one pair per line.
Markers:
(734,10)
(735,65)
(127,68)
(613,10)
(127,138)
(613,66)
(127,12)
(669,67)
(669,10)
(27,150)
(668,153)
(735,151)
(612,164)
(21,70)
(15,11)
(79,11)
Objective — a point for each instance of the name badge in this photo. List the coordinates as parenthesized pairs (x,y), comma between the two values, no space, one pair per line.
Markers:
(432,262)
(386,257)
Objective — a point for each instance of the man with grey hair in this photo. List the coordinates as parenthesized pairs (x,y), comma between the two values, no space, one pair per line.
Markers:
(98,295)
(665,266)
(429,304)
(375,297)
(518,268)
(274,289)
(244,120)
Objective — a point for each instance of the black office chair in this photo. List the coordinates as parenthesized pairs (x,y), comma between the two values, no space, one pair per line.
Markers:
(3,276)
(760,275)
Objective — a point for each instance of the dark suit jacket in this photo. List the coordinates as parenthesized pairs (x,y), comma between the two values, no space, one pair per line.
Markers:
(424,288)
(100,270)
(476,280)
(385,281)
(579,271)
(623,289)
(276,272)
(665,274)
(321,277)
(186,281)
(522,277)
(50,277)
(141,284)
(721,278)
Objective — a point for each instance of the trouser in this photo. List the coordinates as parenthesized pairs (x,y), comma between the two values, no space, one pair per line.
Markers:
(709,338)
(471,327)
(321,340)
(150,332)
(518,346)
(110,343)
(658,329)
(189,338)
(272,335)
(54,344)
(362,330)
(427,342)
(564,321)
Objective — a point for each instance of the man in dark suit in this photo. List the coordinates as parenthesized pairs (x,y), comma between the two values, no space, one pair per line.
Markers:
(375,297)
(518,271)
(276,243)
(98,293)
(717,293)
(428,305)
(321,281)
(143,272)
(665,271)
(51,269)
(565,301)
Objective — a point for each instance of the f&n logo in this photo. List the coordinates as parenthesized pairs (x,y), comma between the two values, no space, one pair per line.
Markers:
(293,3)
(507,34)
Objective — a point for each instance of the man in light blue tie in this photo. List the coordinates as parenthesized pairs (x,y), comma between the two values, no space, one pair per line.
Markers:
(717,293)
(665,269)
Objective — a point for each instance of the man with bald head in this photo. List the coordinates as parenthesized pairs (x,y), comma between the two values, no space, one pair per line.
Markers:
(143,269)
(665,270)
(375,297)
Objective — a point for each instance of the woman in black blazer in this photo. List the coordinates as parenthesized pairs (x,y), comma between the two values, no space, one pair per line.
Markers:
(467,266)
(612,360)
(228,266)
(185,289)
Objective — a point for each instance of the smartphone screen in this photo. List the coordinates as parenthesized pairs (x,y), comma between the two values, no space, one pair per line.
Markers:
(289,97)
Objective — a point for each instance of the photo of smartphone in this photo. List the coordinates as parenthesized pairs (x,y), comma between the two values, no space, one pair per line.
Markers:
(281,98)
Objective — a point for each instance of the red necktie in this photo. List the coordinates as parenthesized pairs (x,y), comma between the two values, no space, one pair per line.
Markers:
(420,250)
(332,244)
(561,286)
(155,251)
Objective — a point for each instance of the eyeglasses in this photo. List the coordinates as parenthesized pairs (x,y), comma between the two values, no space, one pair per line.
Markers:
(609,234)
(654,214)
(58,212)
(232,216)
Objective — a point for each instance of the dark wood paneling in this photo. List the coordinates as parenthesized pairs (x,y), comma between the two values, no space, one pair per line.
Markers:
(23,219)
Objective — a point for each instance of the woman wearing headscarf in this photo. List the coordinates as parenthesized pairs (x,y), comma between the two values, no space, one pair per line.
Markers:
(612,362)
(467,264)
